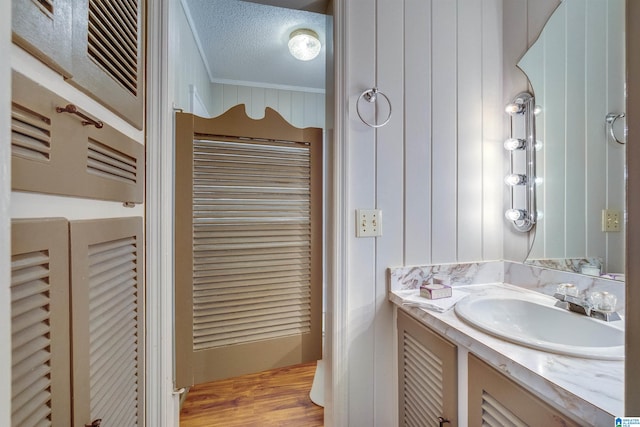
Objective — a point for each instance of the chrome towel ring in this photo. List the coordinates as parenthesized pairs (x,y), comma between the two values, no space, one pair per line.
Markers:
(611,120)
(371,96)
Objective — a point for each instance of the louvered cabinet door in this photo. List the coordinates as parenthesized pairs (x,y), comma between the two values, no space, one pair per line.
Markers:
(427,375)
(495,401)
(43,28)
(55,153)
(108,54)
(40,342)
(107,314)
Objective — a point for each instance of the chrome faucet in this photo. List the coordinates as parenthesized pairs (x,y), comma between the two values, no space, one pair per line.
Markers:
(599,305)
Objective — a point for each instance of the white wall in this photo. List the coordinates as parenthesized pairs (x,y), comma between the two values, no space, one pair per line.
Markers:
(189,68)
(436,170)
(301,109)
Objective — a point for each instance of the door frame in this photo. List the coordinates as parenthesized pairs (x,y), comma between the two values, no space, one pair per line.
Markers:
(163,401)
(5,216)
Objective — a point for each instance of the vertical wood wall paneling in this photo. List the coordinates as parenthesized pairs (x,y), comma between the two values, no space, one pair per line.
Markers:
(575,225)
(258,102)
(616,153)
(554,153)
(469,134)
(537,81)
(444,131)
(190,68)
(417,112)
(571,86)
(301,109)
(360,43)
(390,196)
(493,117)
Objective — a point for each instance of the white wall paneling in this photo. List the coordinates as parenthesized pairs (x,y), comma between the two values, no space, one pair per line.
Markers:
(492,130)
(435,171)
(190,68)
(469,135)
(301,109)
(361,283)
(576,70)
(390,159)
(417,133)
(444,119)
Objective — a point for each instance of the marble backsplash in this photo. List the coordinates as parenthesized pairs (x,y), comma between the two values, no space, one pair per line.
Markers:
(531,277)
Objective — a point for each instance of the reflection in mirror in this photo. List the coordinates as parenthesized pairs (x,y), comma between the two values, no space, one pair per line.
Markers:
(576,70)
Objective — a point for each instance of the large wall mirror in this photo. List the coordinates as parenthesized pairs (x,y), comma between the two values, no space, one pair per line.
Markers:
(576,70)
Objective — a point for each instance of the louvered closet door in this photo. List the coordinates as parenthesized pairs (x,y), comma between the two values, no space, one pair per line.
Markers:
(108,54)
(40,372)
(427,375)
(107,314)
(248,246)
(55,153)
(43,28)
(496,401)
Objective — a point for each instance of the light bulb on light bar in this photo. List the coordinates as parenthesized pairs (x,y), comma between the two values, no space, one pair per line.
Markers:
(537,110)
(514,108)
(515,179)
(515,214)
(513,144)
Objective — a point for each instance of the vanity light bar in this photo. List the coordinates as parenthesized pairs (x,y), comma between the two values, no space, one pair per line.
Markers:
(522,110)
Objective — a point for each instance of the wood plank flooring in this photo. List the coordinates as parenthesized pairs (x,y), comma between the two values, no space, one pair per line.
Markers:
(279,397)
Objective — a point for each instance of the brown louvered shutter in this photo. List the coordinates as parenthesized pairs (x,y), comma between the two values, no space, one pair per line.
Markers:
(107,321)
(427,366)
(30,134)
(40,323)
(251,241)
(43,28)
(108,55)
(54,153)
(248,235)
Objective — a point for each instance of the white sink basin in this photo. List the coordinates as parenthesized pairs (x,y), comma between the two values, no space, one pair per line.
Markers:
(532,320)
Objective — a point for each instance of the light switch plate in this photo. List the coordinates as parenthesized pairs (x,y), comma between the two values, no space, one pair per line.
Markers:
(368,222)
(611,220)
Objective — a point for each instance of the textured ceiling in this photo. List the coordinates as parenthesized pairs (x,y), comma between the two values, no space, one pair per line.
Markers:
(246,42)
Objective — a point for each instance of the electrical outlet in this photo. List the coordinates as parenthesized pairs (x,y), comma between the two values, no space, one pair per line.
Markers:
(610,220)
(368,222)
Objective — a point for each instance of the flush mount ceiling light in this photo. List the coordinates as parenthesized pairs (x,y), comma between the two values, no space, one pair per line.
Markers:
(304,44)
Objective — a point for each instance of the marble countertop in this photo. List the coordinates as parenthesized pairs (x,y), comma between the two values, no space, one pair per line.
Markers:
(589,390)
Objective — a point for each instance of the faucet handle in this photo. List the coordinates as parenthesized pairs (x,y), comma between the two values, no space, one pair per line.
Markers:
(603,301)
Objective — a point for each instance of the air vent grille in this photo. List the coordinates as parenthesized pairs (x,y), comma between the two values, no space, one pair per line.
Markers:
(113,40)
(30,340)
(30,134)
(496,414)
(46,5)
(109,163)
(113,331)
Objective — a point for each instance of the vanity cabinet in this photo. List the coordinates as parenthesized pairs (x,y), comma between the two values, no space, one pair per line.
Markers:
(96,45)
(495,400)
(427,375)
